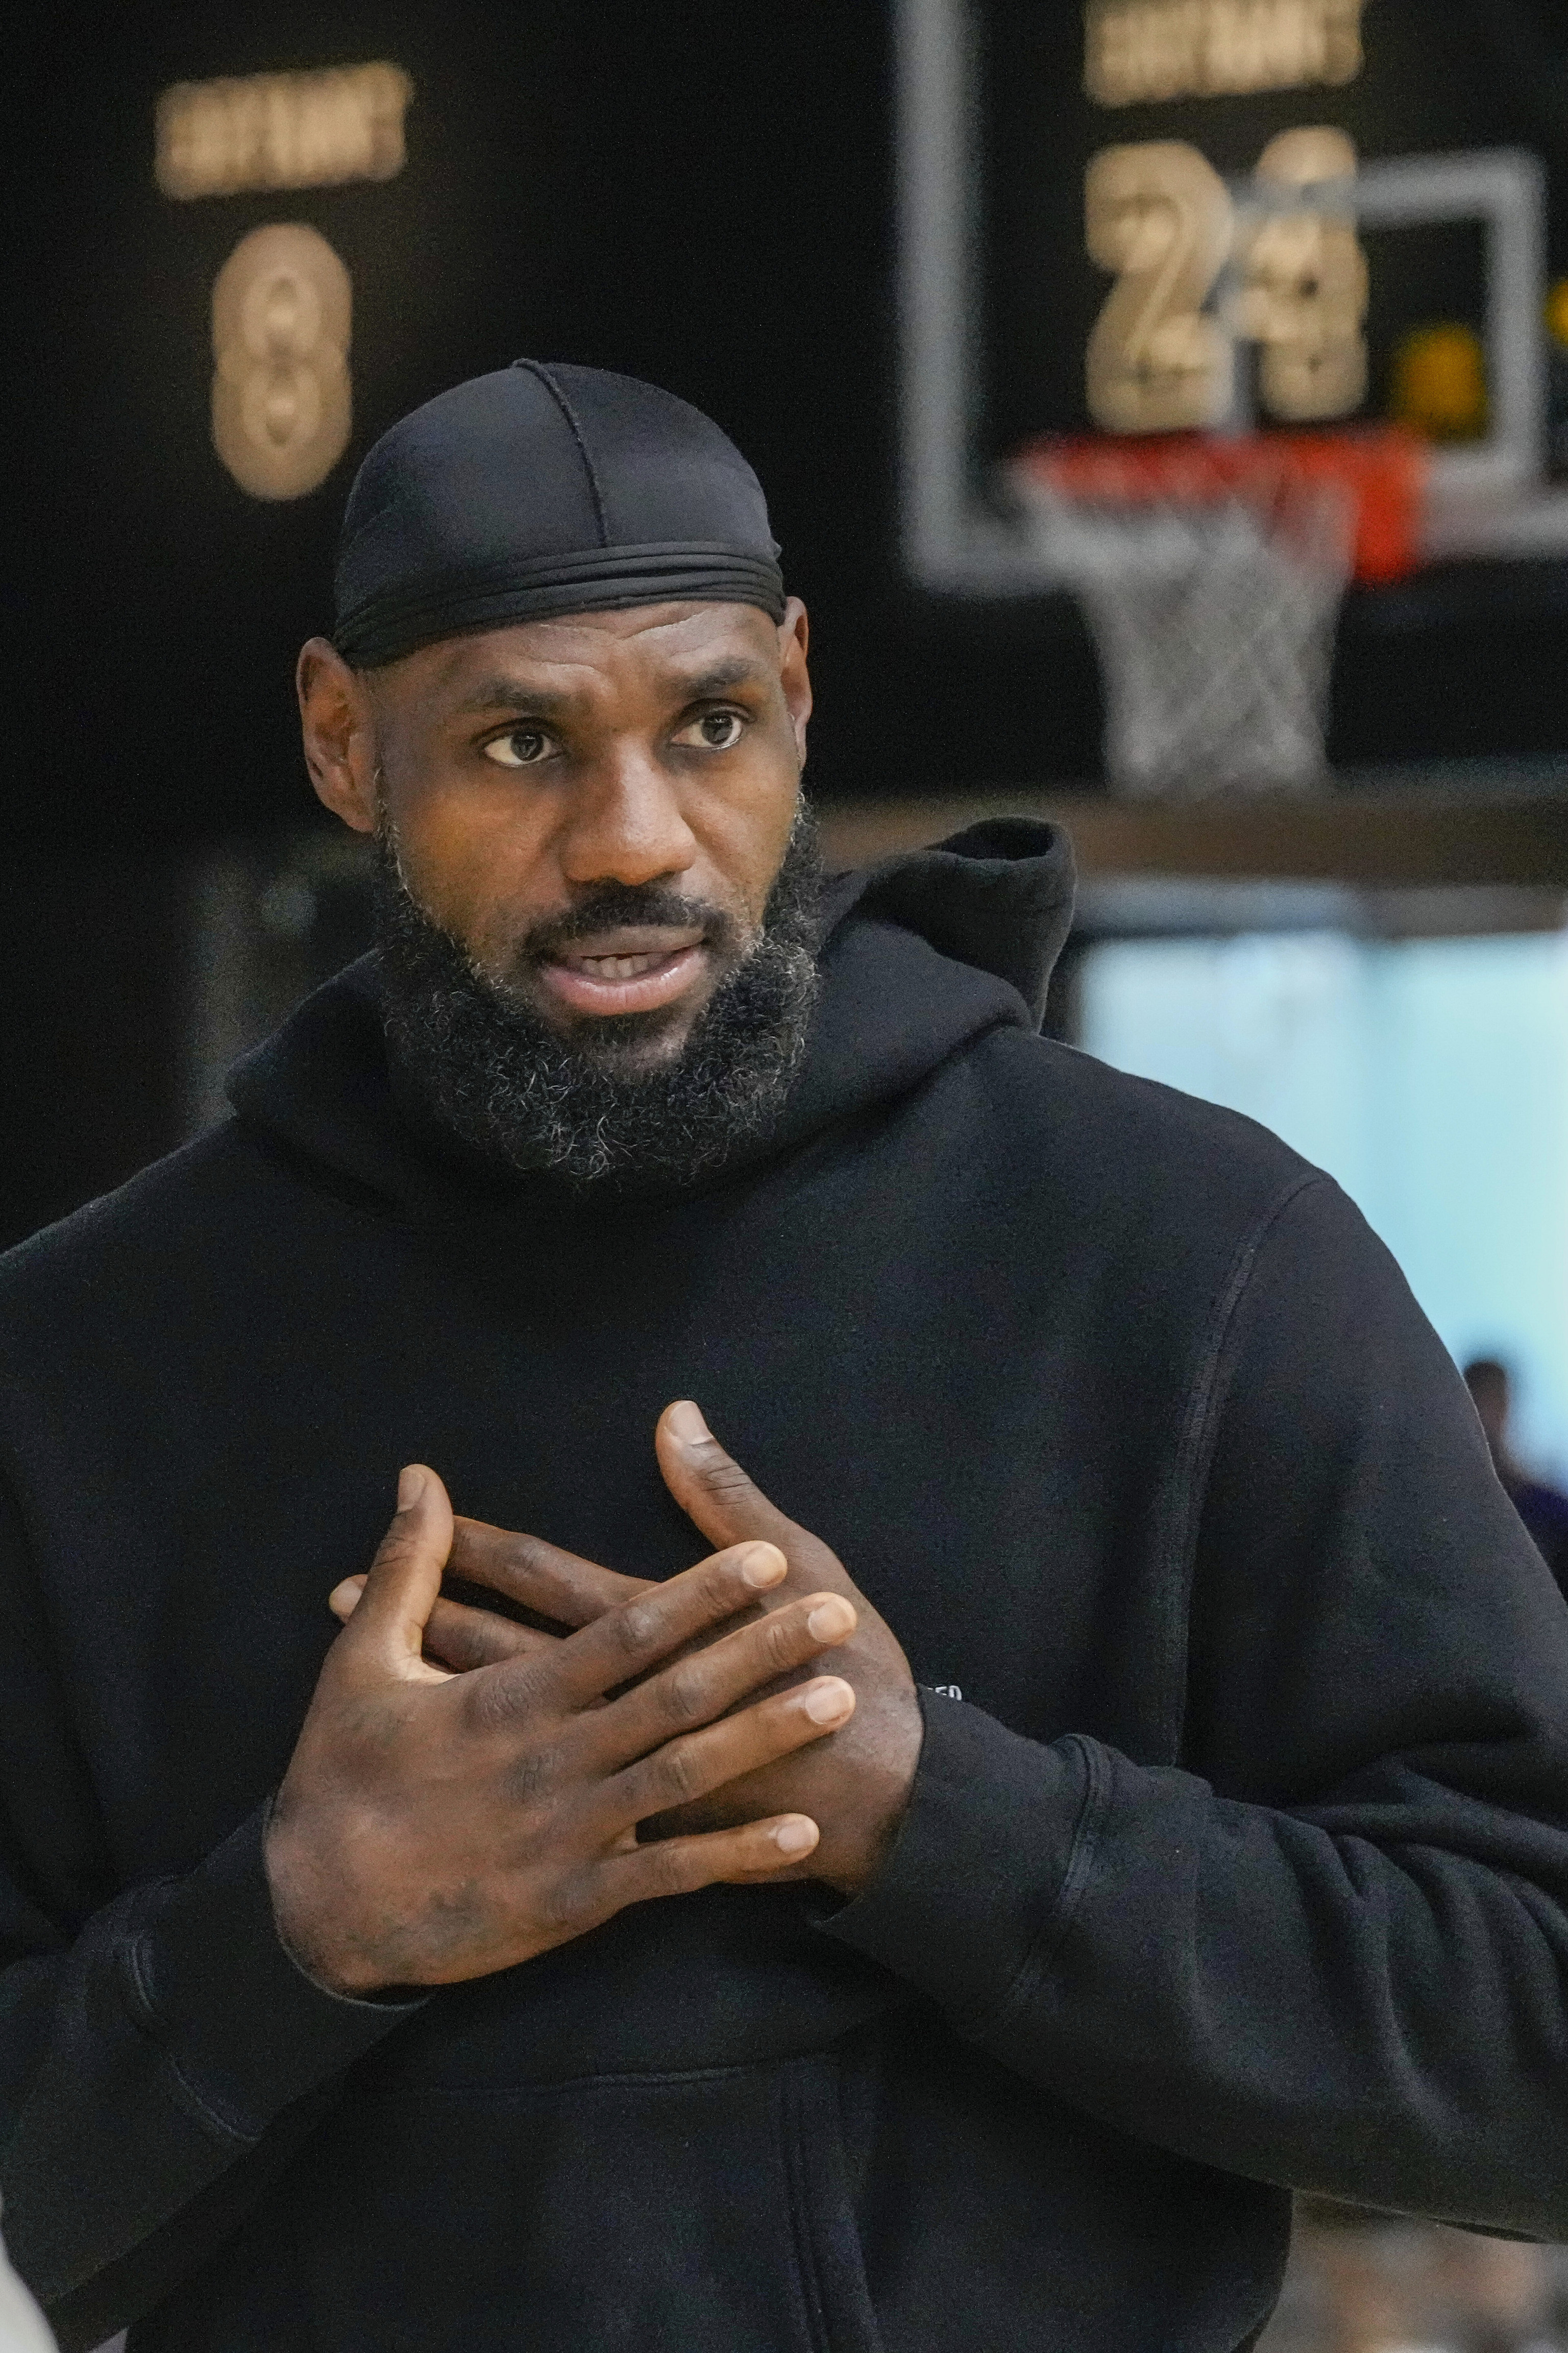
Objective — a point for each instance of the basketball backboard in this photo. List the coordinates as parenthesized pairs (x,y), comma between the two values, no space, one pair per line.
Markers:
(1026,274)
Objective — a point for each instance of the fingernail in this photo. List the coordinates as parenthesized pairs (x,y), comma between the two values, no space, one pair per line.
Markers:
(343,1599)
(410,1486)
(824,1703)
(685,1423)
(765,1565)
(830,1618)
(795,1838)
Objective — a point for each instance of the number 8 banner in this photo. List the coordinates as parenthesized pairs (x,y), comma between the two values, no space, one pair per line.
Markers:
(281,401)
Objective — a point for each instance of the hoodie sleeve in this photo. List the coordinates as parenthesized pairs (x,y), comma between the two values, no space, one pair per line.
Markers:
(157,2044)
(1330,1950)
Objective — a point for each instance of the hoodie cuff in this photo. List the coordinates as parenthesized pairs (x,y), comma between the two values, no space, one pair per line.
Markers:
(983,1870)
(245,2030)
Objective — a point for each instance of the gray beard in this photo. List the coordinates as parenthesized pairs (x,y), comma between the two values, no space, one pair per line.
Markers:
(490,1069)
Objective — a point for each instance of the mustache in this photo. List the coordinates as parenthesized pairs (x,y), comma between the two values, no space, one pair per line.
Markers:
(615,903)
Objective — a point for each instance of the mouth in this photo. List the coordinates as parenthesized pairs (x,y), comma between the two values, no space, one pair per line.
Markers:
(625,971)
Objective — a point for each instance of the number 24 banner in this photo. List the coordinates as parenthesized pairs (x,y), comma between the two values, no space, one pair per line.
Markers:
(1166,229)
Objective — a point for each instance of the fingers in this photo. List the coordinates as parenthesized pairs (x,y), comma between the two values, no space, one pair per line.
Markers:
(461,1637)
(625,1642)
(386,1631)
(703,1686)
(710,1486)
(465,1639)
(553,1583)
(678,1866)
(686,1769)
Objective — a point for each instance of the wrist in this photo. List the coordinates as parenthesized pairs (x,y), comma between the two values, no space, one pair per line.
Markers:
(302,1901)
(899,1735)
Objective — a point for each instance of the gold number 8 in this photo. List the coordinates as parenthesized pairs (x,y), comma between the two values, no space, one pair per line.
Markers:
(282,406)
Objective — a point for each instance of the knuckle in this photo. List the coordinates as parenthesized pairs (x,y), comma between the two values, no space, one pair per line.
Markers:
(636,1626)
(721,1473)
(565,1906)
(673,1867)
(683,1692)
(524,1555)
(722,1590)
(397,1545)
(500,1703)
(783,1636)
(674,1775)
(531,1775)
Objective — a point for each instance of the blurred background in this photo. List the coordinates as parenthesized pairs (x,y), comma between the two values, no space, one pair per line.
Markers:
(1163,407)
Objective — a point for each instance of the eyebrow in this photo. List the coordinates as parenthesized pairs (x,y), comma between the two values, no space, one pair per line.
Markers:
(500,693)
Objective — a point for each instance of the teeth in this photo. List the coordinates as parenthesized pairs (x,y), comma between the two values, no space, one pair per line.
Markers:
(625,967)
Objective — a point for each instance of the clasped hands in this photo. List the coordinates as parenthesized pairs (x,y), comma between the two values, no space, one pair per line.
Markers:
(468,1791)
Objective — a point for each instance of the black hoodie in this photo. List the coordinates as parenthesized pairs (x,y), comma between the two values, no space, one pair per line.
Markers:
(1238,1853)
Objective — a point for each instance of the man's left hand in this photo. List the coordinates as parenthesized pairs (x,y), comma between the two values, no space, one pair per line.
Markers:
(854,1784)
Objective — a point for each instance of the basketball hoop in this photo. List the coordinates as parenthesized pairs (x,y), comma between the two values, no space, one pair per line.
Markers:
(1212,573)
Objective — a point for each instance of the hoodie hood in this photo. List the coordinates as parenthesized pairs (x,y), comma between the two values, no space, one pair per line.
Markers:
(922,956)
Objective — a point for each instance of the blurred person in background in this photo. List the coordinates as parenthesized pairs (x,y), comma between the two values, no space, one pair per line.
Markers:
(1091,1758)
(1543,1509)
(1362,2285)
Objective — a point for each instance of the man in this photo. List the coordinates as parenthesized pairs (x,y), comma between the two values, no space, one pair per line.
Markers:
(1080,1752)
(1543,1509)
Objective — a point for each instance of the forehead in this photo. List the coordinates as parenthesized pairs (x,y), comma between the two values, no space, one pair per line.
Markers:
(667,646)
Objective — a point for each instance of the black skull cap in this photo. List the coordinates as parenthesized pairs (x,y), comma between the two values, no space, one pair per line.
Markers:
(544,490)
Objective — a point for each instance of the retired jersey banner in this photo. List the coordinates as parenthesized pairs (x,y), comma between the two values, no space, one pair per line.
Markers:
(1226,216)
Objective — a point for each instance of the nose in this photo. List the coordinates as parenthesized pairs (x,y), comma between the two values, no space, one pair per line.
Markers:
(626,824)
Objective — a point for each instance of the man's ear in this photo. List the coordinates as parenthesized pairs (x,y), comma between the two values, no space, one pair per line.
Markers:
(794,637)
(339,729)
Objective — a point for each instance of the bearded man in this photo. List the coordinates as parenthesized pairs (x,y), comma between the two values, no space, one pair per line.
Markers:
(1081,1752)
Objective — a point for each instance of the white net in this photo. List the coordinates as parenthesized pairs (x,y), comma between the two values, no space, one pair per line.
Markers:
(1215,625)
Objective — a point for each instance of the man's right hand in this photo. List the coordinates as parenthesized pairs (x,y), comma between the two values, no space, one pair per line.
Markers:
(434,1827)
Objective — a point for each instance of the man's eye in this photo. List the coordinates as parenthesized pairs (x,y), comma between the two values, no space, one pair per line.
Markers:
(521,749)
(718,731)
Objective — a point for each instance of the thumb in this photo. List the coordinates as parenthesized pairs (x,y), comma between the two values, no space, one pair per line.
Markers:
(386,1631)
(710,1486)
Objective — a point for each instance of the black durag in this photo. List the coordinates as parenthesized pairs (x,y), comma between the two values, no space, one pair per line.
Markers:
(540,491)
(535,492)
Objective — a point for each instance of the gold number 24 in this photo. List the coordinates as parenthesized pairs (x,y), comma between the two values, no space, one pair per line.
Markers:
(1160,219)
